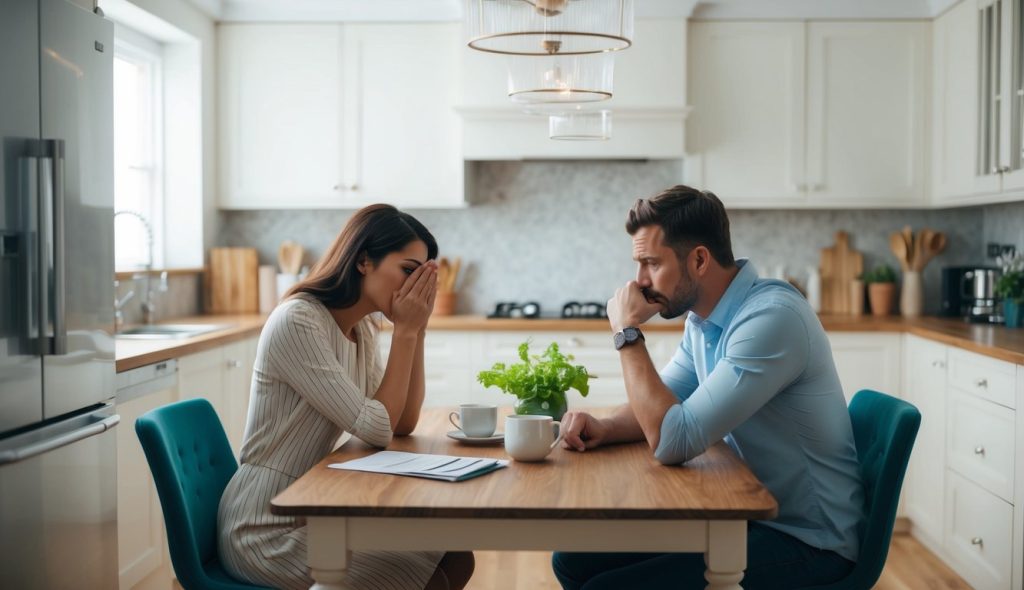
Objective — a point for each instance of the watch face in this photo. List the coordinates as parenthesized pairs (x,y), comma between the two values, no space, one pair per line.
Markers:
(630,334)
(619,339)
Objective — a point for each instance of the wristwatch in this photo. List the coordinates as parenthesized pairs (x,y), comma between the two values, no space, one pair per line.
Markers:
(628,335)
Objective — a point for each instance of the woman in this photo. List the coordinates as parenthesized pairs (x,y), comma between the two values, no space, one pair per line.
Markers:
(318,374)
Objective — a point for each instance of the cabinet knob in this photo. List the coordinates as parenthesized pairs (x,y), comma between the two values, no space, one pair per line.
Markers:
(1004,169)
(575,342)
(234,364)
(983,383)
(995,170)
(938,364)
(978,541)
(979,450)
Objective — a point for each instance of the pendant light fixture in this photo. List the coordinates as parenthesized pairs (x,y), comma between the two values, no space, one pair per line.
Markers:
(549,27)
(580,124)
(560,78)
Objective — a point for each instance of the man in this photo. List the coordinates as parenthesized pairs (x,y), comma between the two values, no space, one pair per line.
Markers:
(754,368)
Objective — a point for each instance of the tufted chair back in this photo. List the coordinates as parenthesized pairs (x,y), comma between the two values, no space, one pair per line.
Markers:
(884,429)
(192,462)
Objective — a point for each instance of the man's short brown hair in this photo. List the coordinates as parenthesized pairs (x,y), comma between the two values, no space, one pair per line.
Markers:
(689,217)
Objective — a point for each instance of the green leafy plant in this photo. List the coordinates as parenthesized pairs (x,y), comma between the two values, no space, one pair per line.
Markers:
(544,377)
(883,273)
(1011,284)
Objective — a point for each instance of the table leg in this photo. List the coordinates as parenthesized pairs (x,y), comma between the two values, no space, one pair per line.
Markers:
(327,552)
(726,557)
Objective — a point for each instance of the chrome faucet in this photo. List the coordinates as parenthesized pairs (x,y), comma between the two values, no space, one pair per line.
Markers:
(148,306)
(118,305)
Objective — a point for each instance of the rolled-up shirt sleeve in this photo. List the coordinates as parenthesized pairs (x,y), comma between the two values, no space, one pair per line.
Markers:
(764,353)
(679,374)
(301,354)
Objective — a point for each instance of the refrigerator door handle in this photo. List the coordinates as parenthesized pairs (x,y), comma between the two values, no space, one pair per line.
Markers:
(38,448)
(51,232)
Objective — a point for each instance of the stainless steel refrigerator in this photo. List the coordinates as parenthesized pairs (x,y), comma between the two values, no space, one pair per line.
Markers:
(58,455)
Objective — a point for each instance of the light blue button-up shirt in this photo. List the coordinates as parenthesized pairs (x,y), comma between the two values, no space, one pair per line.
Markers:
(759,373)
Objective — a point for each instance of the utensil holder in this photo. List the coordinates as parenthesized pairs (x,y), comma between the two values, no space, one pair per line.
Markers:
(444,303)
(912,295)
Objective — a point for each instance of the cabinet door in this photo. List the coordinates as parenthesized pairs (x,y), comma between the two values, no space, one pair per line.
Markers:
(746,132)
(401,85)
(979,534)
(924,380)
(140,521)
(448,369)
(280,119)
(955,116)
(867,361)
(866,101)
(237,379)
(202,375)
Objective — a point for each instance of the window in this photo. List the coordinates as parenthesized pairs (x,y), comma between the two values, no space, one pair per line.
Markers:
(138,154)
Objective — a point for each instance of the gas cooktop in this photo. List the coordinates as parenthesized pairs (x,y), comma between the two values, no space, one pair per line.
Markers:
(532,310)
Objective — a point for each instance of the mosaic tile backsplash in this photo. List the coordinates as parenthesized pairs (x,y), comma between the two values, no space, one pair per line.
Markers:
(553,232)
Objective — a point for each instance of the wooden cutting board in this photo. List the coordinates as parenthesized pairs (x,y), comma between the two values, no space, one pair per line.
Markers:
(233,279)
(840,264)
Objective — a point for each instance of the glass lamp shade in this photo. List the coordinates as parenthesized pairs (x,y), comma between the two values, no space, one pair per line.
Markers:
(561,78)
(581,125)
(547,27)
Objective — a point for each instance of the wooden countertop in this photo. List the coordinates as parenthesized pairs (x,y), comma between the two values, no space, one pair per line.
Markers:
(131,354)
(599,483)
(991,340)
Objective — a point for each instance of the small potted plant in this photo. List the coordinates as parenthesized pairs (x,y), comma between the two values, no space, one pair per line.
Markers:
(538,382)
(1010,287)
(881,284)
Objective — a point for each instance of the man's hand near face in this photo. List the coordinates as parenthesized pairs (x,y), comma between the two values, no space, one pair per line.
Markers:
(629,307)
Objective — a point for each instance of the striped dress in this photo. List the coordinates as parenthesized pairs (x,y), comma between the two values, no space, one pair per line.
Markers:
(310,383)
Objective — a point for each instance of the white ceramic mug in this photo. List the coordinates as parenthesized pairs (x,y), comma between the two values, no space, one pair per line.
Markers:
(475,420)
(531,438)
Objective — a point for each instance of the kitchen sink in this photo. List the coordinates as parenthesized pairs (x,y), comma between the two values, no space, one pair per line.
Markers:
(160,331)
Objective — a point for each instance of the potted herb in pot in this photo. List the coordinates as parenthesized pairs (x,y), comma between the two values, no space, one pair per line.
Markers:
(1010,287)
(881,284)
(538,382)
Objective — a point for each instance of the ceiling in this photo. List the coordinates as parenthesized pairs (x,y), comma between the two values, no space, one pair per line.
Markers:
(451,10)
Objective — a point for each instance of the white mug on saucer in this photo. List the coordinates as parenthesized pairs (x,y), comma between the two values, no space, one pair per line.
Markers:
(475,420)
(530,438)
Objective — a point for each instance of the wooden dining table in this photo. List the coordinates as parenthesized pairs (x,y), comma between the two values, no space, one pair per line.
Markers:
(615,498)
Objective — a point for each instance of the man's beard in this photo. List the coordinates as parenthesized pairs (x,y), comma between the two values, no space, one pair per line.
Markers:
(683,298)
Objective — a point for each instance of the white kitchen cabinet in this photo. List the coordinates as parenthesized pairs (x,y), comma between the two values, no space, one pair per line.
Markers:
(338,116)
(793,114)
(280,124)
(745,137)
(401,85)
(868,360)
(448,365)
(955,104)
(238,360)
(141,546)
(222,375)
(924,386)
(979,539)
(867,91)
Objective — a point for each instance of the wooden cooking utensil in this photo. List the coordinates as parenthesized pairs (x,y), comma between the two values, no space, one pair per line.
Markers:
(898,245)
(289,256)
(908,237)
(454,275)
(933,244)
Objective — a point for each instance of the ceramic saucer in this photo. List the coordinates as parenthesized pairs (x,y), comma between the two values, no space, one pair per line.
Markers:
(460,436)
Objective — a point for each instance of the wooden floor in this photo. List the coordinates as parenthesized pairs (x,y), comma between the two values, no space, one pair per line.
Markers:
(910,567)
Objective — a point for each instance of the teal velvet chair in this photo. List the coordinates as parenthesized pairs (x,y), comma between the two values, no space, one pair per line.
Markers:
(884,429)
(192,462)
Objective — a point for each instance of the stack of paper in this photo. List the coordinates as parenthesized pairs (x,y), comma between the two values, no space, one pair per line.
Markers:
(443,467)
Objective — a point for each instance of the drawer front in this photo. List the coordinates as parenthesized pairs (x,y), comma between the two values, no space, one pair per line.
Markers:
(982,376)
(979,533)
(980,443)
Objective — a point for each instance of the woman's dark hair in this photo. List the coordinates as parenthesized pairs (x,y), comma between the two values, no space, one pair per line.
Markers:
(371,234)
(689,218)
